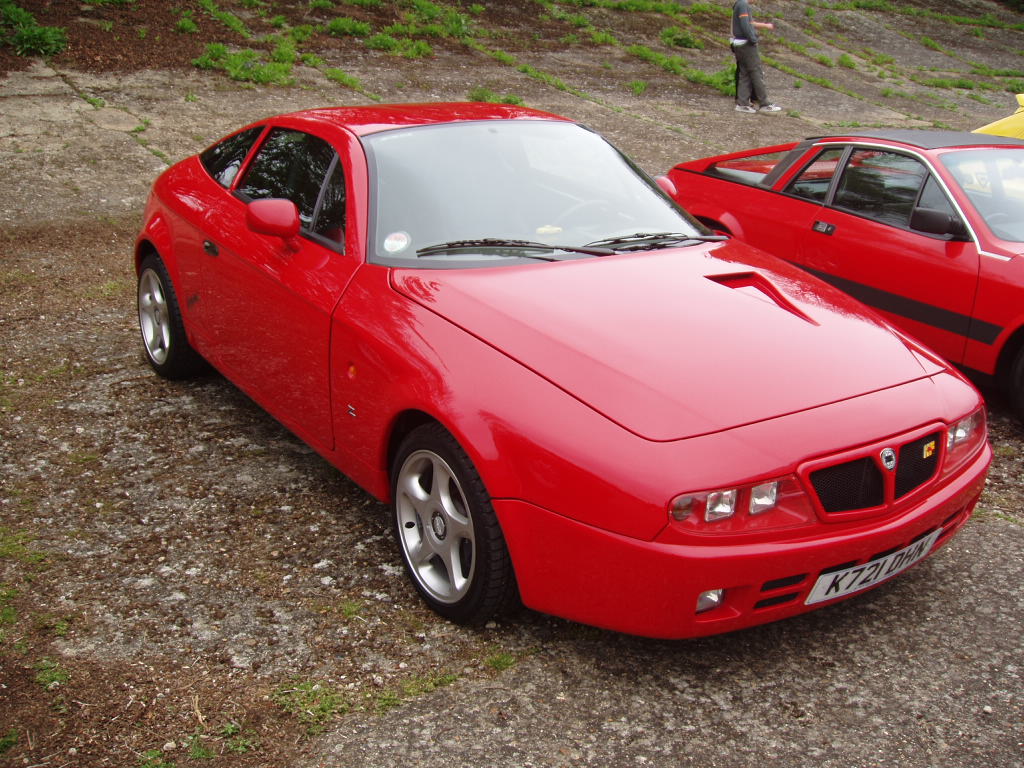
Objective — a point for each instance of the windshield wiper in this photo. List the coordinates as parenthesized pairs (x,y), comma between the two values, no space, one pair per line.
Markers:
(642,241)
(497,242)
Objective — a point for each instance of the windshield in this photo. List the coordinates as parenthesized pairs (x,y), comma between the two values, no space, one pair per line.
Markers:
(491,180)
(993,179)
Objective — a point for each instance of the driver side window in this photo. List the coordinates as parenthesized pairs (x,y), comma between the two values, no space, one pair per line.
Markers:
(305,169)
(880,185)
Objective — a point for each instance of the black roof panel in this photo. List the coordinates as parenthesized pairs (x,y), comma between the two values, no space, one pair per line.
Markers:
(928,139)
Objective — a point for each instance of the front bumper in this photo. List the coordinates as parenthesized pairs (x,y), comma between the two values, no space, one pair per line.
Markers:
(586,574)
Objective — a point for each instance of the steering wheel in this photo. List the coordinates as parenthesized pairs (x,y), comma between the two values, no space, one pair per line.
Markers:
(579,207)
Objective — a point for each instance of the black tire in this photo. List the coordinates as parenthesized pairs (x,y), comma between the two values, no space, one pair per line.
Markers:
(447,531)
(163,331)
(1015,385)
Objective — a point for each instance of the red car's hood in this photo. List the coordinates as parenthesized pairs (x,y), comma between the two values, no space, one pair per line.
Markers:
(676,343)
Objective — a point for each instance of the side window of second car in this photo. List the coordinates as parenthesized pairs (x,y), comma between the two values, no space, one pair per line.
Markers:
(303,168)
(813,182)
(880,185)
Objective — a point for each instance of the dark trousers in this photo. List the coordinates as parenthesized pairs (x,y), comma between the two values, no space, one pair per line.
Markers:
(749,75)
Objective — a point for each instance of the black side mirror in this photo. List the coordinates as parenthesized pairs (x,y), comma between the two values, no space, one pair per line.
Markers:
(933,222)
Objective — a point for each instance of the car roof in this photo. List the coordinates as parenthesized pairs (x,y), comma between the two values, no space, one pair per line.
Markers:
(926,139)
(383,117)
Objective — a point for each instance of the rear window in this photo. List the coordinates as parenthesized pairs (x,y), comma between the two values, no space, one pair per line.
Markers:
(224,159)
(747,170)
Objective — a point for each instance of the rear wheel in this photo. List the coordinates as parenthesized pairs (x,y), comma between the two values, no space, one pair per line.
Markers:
(163,331)
(1015,385)
(447,530)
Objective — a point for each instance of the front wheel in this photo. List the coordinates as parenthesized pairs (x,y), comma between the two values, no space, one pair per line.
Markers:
(163,330)
(447,530)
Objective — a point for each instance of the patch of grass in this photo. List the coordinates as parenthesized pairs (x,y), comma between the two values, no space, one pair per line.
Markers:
(154,758)
(186,25)
(638,87)
(410,49)
(226,18)
(343,78)
(50,674)
(602,37)
(411,688)
(314,703)
(244,65)
(197,750)
(8,740)
(237,741)
(20,30)
(284,51)
(320,5)
(8,613)
(946,83)
(846,60)
(723,81)
(14,546)
(677,37)
(501,661)
(483,94)
(345,26)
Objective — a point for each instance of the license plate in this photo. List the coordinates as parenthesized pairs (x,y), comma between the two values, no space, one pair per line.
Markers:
(849,580)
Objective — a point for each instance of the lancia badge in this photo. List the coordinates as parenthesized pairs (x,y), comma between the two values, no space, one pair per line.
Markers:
(888,457)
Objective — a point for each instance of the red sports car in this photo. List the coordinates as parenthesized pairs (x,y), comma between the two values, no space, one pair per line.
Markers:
(572,393)
(925,226)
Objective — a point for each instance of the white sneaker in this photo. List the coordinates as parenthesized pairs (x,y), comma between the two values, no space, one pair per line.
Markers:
(771,108)
(747,108)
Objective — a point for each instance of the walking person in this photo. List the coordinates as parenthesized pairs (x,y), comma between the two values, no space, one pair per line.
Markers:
(749,72)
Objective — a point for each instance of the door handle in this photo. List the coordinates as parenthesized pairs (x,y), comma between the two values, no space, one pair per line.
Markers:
(823,227)
(211,247)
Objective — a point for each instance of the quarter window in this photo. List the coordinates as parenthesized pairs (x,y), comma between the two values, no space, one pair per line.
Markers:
(224,159)
(814,180)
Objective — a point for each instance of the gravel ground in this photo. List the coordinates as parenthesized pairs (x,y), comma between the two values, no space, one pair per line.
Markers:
(182,582)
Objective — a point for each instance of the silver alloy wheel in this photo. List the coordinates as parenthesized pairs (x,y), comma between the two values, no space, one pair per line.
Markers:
(435,527)
(154,319)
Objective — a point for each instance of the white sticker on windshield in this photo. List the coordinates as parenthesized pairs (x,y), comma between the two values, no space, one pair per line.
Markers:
(397,242)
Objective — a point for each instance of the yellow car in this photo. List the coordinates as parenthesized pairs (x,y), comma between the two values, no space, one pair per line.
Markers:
(1012,126)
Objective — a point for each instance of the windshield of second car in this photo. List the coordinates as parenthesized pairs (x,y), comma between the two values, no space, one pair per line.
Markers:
(993,180)
(534,181)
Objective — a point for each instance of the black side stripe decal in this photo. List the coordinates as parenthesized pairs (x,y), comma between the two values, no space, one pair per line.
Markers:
(954,322)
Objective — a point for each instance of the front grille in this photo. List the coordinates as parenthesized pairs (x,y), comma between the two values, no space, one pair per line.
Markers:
(853,485)
(862,483)
(918,462)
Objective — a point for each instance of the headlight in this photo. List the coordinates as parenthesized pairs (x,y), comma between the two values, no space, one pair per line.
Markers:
(965,437)
(720,505)
(758,506)
(763,497)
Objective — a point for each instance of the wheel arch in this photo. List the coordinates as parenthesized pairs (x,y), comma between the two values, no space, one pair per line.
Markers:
(1007,355)
(401,426)
(155,239)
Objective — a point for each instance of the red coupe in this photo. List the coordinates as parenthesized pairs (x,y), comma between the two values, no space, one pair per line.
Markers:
(572,394)
(925,226)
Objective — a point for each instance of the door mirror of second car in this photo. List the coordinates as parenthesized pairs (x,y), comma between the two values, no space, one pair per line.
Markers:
(667,186)
(275,217)
(935,222)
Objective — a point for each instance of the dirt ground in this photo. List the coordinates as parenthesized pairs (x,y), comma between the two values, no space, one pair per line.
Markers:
(184,583)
